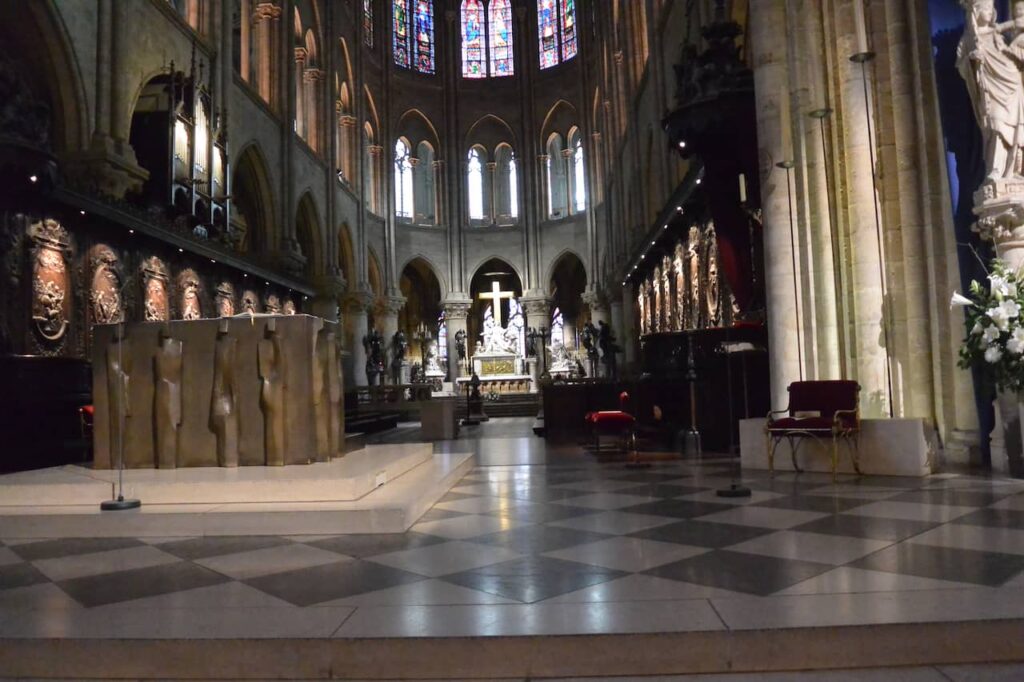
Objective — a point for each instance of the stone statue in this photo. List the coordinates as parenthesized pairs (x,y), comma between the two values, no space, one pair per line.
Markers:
(494,338)
(588,337)
(321,401)
(167,399)
(531,343)
(560,358)
(119,369)
(993,79)
(682,296)
(272,306)
(460,344)
(712,293)
(335,385)
(693,269)
(105,292)
(271,360)
(190,306)
(608,350)
(658,309)
(641,302)
(430,363)
(373,344)
(399,347)
(223,407)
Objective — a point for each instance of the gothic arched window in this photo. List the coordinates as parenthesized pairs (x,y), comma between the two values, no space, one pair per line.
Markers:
(400,27)
(423,176)
(413,49)
(474,61)
(558,204)
(487,45)
(501,50)
(556,26)
(579,172)
(506,184)
(403,180)
(424,37)
(368,22)
(475,181)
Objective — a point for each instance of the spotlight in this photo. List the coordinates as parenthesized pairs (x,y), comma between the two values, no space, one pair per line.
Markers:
(181,250)
(33,178)
(698,181)
(212,261)
(131,231)
(81,212)
(682,144)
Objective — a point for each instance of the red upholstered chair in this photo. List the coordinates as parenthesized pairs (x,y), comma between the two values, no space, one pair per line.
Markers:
(819,410)
(613,423)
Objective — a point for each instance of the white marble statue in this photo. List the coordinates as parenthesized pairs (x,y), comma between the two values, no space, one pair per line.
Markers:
(495,338)
(561,361)
(994,80)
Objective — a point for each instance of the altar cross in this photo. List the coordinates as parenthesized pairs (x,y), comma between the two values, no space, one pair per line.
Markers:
(495,295)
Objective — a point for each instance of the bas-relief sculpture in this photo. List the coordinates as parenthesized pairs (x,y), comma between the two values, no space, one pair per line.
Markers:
(105,289)
(693,272)
(249,392)
(191,308)
(682,293)
(289,307)
(712,280)
(250,302)
(223,405)
(657,311)
(272,394)
(50,280)
(225,300)
(154,290)
(167,399)
(272,305)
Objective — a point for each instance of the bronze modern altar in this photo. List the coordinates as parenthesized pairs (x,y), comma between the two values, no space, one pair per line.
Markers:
(245,390)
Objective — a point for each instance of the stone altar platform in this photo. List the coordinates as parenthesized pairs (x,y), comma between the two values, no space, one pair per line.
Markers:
(378,489)
(247,390)
(888,447)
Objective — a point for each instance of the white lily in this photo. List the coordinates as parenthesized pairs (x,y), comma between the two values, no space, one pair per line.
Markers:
(1015,346)
(991,333)
(959,299)
(993,354)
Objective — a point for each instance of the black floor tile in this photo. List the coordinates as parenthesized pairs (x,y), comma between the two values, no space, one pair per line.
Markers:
(944,563)
(319,584)
(738,572)
(543,513)
(666,490)
(53,549)
(544,493)
(436,514)
(533,578)
(362,546)
(680,509)
(997,518)
(20,575)
(453,496)
(537,539)
(947,496)
(653,478)
(201,548)
(871,527)
(110,588)
(827,504)
(702,533)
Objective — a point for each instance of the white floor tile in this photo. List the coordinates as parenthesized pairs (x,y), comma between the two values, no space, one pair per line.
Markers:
(824,549)
(598,485)
(270,560)
(468,526)
(640,588)
(981,538)
(80,565)
(225,595)
(445,558)
(712,496)
(423,593)
(606,500)
(912,511)
(530,619)
(848,579)
(8,557)
(764,517)
(627,554)
(41,596)
(614,522)
(1015,503)
(474,505)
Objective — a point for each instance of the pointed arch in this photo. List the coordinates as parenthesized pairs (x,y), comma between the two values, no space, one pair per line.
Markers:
(490,131)
(309,234)
(346,255)
(417,127)
(428,265)
(560,118)
(493,259)
(253,201)
(374,273)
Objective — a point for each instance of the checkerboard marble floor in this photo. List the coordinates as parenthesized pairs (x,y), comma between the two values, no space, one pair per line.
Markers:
(545,540)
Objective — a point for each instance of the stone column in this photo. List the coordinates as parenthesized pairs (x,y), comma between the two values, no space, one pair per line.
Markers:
(771,86)
(265,16)
(376,154)
(455,314)
(570,183)
(545,195)
(311,79)
(328,291)
(299,123)
(492,203)
(356,305)
(346,143)
(617,323)
(627,339)
(439,215)
(538,314)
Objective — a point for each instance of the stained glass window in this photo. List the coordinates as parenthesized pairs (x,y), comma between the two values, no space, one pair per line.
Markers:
(556,25)
(474,62)
(513,187)
(517,323)
(557,327)
(547,26)
(568,29)
(403,181)
(579,177)
(442,336)
(368,22)
(475,177)
(501,38)
(400,21)
(424,38)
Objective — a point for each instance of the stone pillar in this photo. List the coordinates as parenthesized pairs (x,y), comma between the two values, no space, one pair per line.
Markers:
(311,79)
(570,182)
(492,194)
(538,314)
(618,328)
(545,195)
(356,305)
(455,314)
(346,143)
(376,154)
(300,93)
(265,16)
(771,87)
(439,215)
(325,303)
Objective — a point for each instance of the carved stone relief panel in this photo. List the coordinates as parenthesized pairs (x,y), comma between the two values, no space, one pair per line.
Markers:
(656,283)
(250,302)
(289,307)
(668,322)
(712,291)
(693,275)
(51,312)
(155,298)
(106,305)
(682,295)
(188,286)
(272,306)
(225,299)
(641,302)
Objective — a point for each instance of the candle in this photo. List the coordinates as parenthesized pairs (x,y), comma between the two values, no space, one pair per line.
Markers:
(860,24)
(785,123)
(743,189)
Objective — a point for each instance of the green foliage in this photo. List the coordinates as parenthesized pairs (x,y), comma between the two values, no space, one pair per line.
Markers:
(995,340)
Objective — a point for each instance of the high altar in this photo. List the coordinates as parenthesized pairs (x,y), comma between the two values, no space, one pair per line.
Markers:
(245,390)
(498,360)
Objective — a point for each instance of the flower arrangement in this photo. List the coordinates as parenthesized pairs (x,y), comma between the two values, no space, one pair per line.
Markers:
(995,341)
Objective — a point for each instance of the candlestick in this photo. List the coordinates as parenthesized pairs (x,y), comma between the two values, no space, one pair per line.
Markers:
(743,189)
(860,24)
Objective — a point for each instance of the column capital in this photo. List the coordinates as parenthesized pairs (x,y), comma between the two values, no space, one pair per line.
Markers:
(536,305)
(266,10)
(457,310)
(313,74)
(413,161)
(358,301)
(543,157)
(438,164)
(300,55)
(346,120)
(390,305)
(375,149)
(492,165)
(567,153)
(594,300)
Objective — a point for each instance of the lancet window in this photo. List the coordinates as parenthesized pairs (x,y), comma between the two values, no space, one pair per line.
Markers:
(487,40)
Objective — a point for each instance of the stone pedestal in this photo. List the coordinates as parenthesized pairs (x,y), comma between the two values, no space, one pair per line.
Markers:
(531,369)
(268,384)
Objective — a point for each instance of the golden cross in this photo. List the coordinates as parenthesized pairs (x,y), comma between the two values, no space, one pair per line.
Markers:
(495,295)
